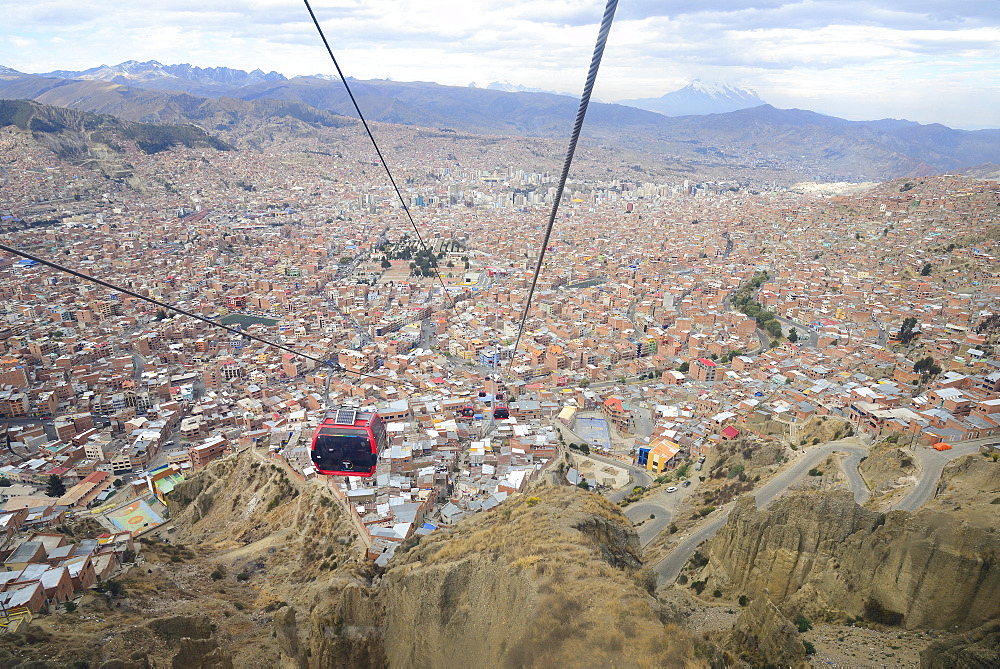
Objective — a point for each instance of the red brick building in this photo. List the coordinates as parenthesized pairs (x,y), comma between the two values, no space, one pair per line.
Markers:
(704,369)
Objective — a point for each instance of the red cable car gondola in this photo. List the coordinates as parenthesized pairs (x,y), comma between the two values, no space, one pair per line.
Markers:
(500,412)
(348,442)
(467,411)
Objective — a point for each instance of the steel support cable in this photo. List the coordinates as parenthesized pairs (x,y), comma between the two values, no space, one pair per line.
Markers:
(595,64)
(163,305)
(378,151)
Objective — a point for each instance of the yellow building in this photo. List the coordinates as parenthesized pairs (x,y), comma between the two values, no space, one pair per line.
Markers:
(659,455)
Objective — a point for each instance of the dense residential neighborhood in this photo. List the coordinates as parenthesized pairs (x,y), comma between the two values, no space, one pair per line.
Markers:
(670,317)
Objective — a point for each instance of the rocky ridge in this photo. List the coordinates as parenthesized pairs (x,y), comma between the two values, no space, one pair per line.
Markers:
(533,583)
(823,555)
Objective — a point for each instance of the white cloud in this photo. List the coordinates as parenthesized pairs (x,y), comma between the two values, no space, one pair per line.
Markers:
(928,60)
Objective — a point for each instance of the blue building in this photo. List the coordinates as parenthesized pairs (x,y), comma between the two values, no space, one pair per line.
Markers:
(643,456)
(489,357)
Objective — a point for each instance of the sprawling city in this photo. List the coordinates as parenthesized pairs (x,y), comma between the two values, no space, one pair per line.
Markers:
(736,410)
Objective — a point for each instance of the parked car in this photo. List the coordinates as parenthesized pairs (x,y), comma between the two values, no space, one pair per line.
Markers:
(672,489)
(685,484)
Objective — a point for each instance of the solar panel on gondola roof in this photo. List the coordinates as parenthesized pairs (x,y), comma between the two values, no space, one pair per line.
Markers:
(346,416)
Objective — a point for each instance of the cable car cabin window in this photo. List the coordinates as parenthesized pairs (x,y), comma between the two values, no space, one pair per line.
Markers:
(343,450)
(381,436)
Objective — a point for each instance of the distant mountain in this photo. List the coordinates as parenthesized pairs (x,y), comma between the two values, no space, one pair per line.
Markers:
(431,105)
(42,119)
(98,140)
(183,77)
(518,88)
(759,142)
(868,150)
(990,171)
(222,114)
(6,71)
(698,98)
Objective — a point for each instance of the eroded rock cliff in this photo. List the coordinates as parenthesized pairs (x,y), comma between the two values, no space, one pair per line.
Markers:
(822,554)
(766,637)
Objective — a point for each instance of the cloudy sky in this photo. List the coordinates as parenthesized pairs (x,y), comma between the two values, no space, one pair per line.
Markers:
(923,60)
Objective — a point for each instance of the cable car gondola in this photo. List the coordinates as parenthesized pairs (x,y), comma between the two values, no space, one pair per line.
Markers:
(467,411)
(348,442)
(500,412)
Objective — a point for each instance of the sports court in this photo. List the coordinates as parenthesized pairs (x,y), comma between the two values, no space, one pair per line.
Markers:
(135,517)
(595,431)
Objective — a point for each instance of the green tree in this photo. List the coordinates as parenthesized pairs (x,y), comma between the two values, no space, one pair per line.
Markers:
(54,486)
(925,270)
(386,264)
(793,335)
(111,588)
(684,367)
(906,330)
(923,364)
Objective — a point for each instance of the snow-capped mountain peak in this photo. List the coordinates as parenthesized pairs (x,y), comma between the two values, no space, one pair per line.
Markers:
(135,71)
(699,97)
(720,90)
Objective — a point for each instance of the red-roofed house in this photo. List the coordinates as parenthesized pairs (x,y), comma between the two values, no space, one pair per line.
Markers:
(86,491)
(704,369)
(729,433)
(617,413)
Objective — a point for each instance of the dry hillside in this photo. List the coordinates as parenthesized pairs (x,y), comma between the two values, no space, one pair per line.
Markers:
(551,578)
(262,570)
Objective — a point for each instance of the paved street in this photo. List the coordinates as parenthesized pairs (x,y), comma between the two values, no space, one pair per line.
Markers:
(642,416)
(932,464)
(650,527)
(663,506)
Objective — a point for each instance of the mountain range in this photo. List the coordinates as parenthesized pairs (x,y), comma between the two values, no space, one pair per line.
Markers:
(758,141)
(157,76)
